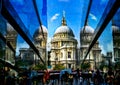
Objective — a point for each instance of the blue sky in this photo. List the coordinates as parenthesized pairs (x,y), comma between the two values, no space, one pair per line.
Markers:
(75,12)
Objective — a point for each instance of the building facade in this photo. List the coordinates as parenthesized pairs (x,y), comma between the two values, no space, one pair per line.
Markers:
(40,42)
(11,37)
(116,42)
(94,56)
(64,46)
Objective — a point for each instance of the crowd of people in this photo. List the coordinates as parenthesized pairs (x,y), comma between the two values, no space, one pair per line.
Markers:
(97,77)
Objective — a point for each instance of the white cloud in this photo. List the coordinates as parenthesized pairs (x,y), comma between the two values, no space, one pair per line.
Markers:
(54,17)
(64,0)
(93,17)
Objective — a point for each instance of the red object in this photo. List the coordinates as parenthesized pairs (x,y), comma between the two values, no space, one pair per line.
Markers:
(46,76)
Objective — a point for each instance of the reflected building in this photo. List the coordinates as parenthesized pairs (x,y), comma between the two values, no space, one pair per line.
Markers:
(64,46)
(2,32)
(116,41)
(11,37)
(94,56)
(40,42)
(27,55)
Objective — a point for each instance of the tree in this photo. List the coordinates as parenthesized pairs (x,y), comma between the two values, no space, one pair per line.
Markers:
(1,65)
(85,66)
(39,67)
(117,65)
(59,67)
(103,65)
(20,63)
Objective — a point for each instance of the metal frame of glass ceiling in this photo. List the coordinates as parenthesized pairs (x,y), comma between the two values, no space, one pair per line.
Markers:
(7,11)
(12,17)
(109,12)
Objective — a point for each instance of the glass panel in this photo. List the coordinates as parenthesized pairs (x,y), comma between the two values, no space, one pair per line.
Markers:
(53,14)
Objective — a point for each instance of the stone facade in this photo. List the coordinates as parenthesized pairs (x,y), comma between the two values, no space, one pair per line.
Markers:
(94,56)
(64,46)
(11,37)
(116,41)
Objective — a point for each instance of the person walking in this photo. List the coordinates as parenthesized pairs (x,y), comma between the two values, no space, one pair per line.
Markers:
(98,80)
(110,77)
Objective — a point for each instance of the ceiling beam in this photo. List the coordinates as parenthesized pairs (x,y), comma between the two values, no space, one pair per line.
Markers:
(88,11)
(38,16)
(12,17)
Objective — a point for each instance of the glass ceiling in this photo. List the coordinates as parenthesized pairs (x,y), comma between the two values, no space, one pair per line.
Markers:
(30,16)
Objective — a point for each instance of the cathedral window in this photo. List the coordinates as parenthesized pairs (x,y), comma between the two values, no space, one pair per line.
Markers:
(61,55)
(69,65)
(56,58)
(69,54)
(61,43)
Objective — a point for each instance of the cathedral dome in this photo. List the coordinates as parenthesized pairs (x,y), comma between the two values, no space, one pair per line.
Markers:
(40,31)
(64,29)
(10,28)
(115,29)
(87,29)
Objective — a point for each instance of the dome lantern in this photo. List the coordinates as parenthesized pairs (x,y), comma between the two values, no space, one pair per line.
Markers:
(64,29)
(63,19)
(87,29)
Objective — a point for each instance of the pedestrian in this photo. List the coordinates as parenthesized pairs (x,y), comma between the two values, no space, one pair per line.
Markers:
(110,77)
(71,79)
(77,73)
(117,79)
(98,80)
(46,76)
